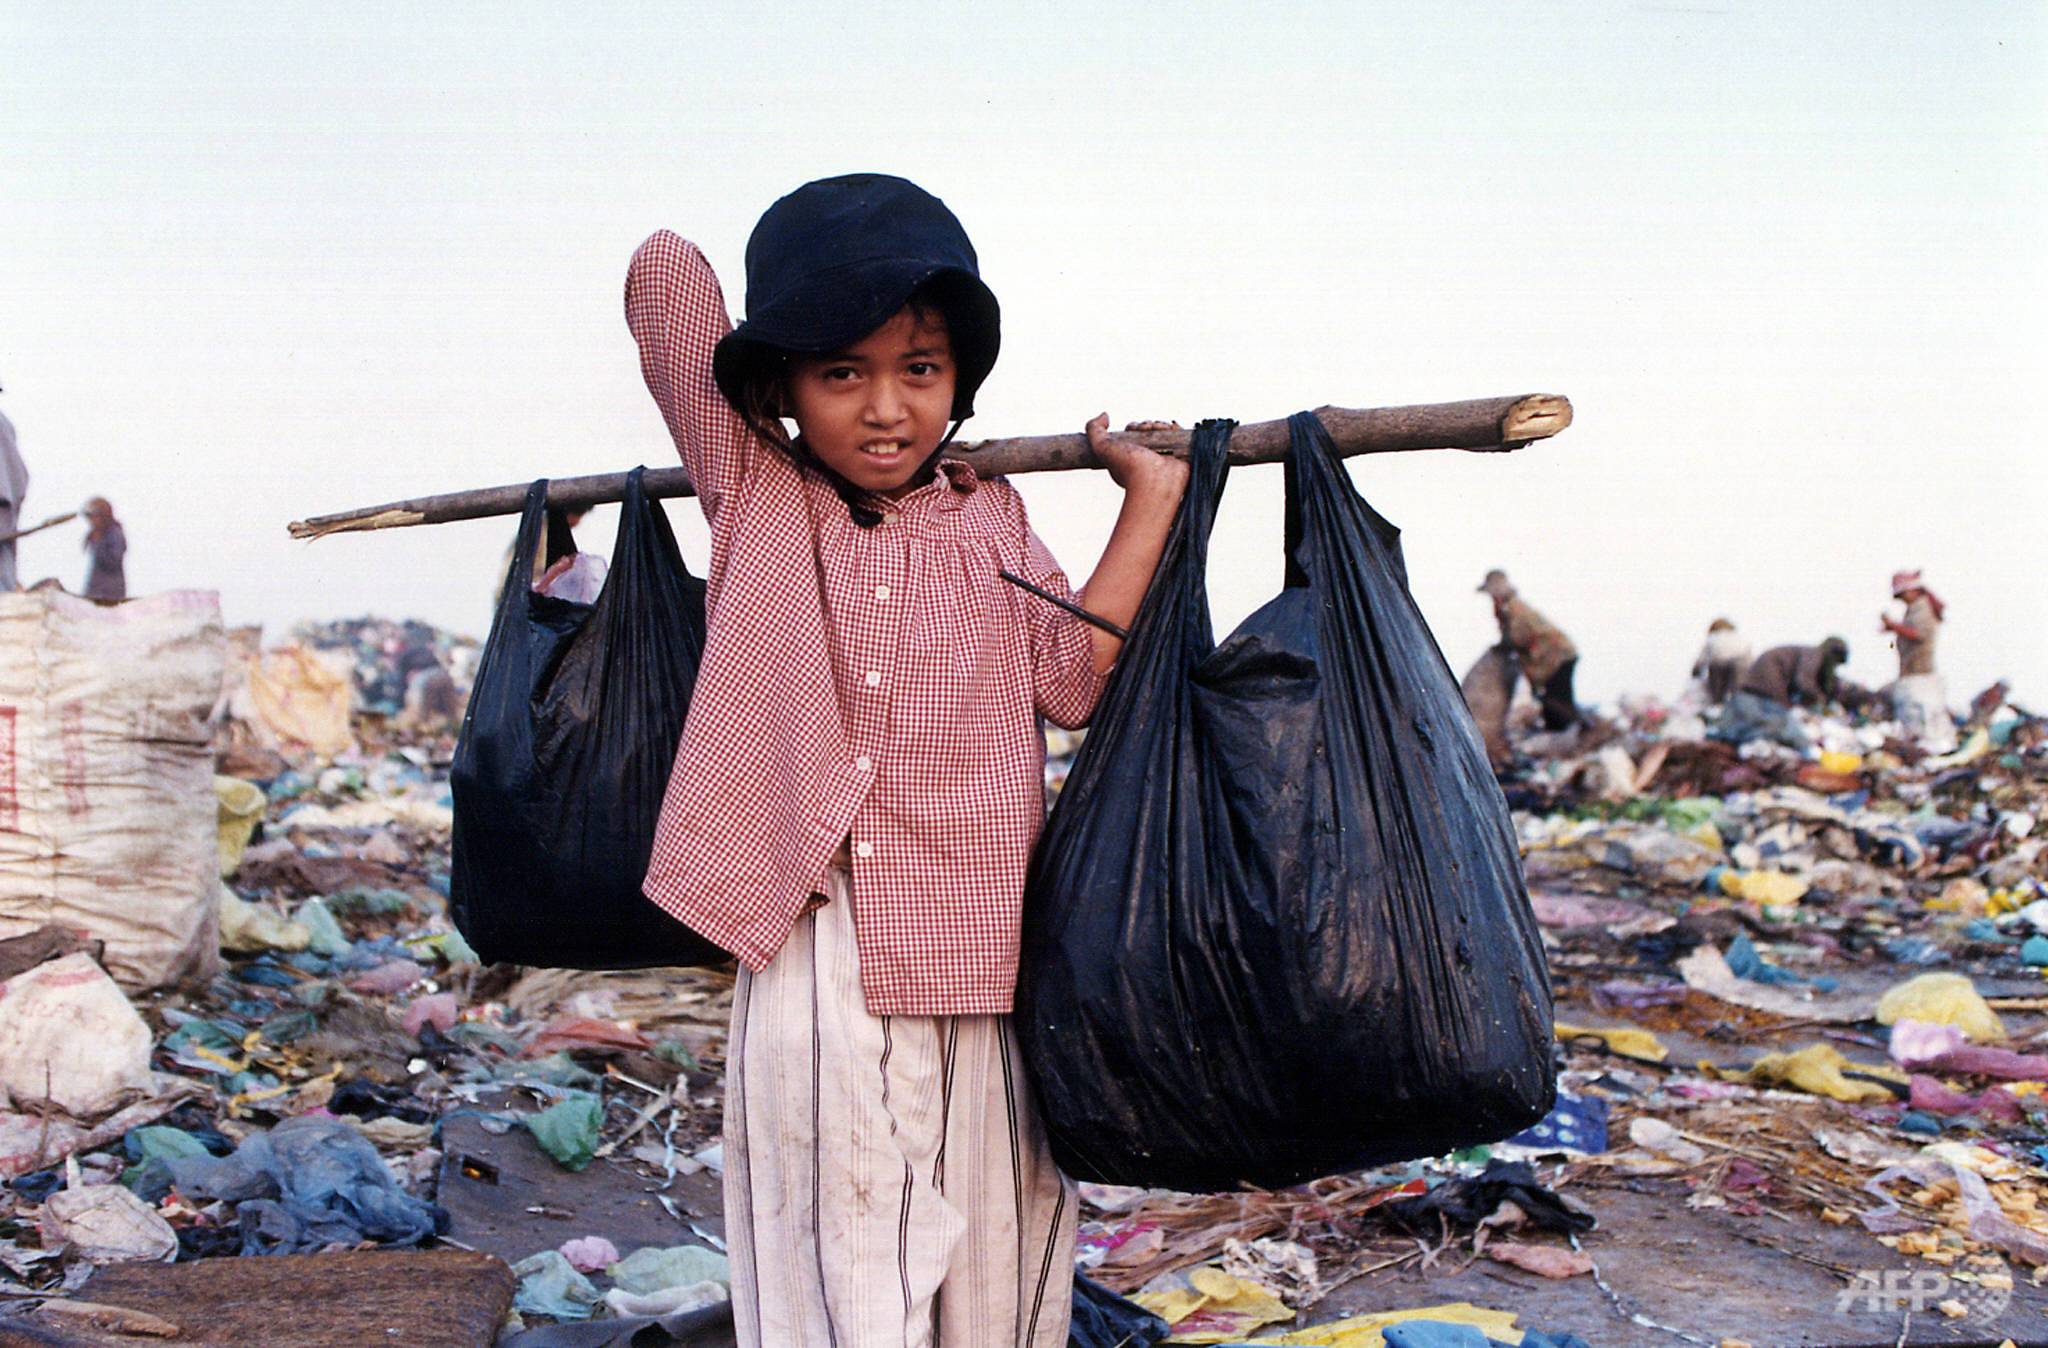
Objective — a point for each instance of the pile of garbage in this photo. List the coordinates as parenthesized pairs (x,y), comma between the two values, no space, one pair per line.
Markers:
(1802,988)
(292,1093)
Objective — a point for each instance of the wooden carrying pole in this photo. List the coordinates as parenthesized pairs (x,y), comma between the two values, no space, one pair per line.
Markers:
(1481,424)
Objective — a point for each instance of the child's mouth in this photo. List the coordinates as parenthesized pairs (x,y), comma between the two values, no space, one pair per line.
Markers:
(884,449)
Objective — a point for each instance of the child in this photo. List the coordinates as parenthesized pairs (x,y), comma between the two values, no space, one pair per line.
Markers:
(859,783)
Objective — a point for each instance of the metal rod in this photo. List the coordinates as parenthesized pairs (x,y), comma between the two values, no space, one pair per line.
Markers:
(1069,605)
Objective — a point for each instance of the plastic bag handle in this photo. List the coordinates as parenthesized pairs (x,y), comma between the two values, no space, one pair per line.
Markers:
(1208,471)
(1317,484)
(533,517)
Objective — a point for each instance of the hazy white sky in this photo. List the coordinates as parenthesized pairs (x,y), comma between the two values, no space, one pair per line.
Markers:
(1790,262)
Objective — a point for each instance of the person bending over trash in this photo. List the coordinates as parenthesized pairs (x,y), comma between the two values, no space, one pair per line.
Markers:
(859,782)
(1546,655)
(1780,679)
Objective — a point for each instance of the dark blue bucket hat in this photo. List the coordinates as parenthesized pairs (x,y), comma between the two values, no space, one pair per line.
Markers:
(835,259)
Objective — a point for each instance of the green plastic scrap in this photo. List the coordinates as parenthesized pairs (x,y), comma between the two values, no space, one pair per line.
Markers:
(654,1268)
(448,945)
(568,1130)
(288,1027)
(550,1285)
(318,919)
(156,1142)
(557,1069)
(206,1034)
(676,1054)
(376,902)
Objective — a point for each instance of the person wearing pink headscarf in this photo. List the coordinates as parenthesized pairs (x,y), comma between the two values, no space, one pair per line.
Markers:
(1915,633)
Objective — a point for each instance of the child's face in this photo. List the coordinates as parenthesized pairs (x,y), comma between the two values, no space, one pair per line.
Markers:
(876,411)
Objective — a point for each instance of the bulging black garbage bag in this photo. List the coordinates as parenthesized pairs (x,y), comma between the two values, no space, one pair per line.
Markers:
(1276,926)
(565,753)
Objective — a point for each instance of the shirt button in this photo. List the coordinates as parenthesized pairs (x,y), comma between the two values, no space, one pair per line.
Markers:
(864,763)
(863,849)
(881,592)
(874,678)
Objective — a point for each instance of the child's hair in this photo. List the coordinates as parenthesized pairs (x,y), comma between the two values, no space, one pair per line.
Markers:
(762,400)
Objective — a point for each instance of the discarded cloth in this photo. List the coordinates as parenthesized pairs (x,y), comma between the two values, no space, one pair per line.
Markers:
(1466,1202)
(1747,963)
(1574,1124)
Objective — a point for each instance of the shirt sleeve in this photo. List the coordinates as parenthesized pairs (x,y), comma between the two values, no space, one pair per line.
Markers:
(1064,680)
(675,309)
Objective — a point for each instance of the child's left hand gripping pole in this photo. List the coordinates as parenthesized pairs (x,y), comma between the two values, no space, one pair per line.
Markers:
(1153,484)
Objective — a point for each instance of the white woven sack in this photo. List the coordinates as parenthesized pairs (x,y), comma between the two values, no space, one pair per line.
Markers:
(107,809)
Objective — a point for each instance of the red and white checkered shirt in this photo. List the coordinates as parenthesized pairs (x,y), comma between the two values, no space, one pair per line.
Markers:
(881,685)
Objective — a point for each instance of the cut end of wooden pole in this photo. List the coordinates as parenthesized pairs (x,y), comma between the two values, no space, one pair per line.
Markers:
(1536,417)
(348,524)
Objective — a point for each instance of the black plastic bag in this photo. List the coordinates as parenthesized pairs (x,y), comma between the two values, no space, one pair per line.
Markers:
(565,755)
(1276,926)
(1102,1319)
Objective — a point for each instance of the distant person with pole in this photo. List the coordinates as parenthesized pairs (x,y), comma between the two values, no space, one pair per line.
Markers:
(13,487)
(106,578)
(1546,654)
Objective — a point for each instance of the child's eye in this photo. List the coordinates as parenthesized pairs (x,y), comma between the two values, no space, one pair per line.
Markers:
(838,373)
(924,369)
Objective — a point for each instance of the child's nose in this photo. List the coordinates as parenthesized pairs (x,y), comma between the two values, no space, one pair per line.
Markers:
(886,403)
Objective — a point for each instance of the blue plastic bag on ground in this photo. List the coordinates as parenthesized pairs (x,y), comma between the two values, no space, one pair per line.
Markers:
(308,1183)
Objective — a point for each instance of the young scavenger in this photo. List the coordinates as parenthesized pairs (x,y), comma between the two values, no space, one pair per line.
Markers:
(859,783)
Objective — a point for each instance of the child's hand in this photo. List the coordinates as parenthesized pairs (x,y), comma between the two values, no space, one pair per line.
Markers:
(1134,466)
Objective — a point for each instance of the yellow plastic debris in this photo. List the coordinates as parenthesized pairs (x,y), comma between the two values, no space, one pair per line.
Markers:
(1816,1070)
(1215,1307)
(1972,749)
(1844,764)
(1365,1331)
(1944,999)
(249,927)
(1706,835)
(241,805)
(302,700)
(1763,887)
(1628,1041)
(1962,895)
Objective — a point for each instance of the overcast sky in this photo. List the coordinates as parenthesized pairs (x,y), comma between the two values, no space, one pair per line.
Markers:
(1790,263)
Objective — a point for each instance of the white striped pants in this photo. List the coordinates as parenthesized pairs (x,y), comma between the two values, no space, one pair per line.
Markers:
(886,1178)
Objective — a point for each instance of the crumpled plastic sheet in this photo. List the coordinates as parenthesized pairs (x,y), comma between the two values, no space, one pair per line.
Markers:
(569,1130)
(307,1183)
(550,1285)
(1987,1223)
(654,1268)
